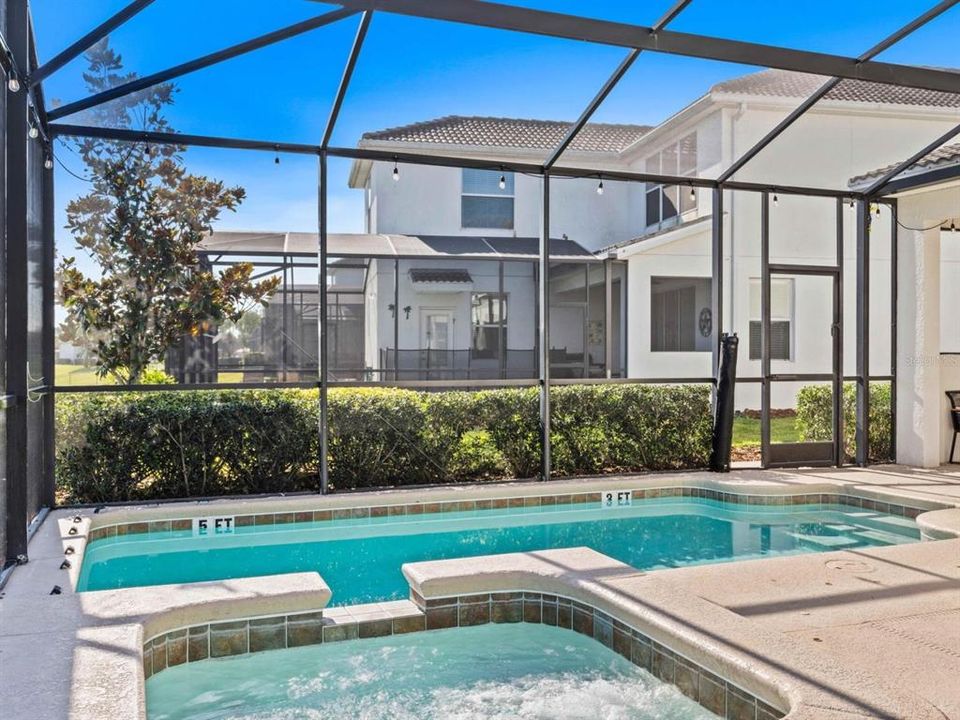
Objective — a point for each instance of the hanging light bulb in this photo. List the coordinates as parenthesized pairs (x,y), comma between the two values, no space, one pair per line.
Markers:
(34,132)
(776,200)
(878,209)
(852,204)
(953,226)
(48,162)
(693,193)
(503,180)
(276,154)
(600,187)
(396,171)
(13,82)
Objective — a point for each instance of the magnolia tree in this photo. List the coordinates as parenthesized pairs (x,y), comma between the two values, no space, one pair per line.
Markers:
(141,224)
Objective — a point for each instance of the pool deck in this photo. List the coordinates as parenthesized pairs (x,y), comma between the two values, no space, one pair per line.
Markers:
(881,624)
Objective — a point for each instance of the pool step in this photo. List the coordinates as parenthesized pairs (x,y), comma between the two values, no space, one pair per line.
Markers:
(880,536)
(868,517)
(827,542)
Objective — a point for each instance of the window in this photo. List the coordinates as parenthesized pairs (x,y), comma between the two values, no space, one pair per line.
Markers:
(483,204)
(488,335)
(781,318)
(680,314)
(666,202)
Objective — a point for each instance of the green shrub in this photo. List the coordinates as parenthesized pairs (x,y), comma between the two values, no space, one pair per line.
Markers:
(138,446)
(143,446)
(375,438)
(157,376)
(477,457)
(512,417)
(815,418)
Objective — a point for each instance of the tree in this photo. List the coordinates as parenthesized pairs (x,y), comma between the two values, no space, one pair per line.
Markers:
(142,223)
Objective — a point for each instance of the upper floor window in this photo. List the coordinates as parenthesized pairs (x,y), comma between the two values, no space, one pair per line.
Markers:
(781,318)
(665,202)
(483,203)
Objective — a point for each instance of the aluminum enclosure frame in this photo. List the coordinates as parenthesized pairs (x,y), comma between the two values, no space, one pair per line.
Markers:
(18,38)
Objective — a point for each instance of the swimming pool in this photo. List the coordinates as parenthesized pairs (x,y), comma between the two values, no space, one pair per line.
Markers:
(491,671)
(360,559)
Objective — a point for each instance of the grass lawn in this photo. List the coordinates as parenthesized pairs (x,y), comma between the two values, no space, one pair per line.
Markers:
(746,431)
(79,375)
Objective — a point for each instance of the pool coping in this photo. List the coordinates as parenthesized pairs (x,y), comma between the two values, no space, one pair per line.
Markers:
(231,639)
(801,680)
(105,529)
(706,651)
(935,519)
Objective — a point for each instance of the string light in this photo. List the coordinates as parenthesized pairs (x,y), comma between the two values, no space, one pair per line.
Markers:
(13,77)
(600,187)
(953,226)
(878,209)
(693,193)
(34,132)
(396,171)
(776,200)
(276,154)
(503,179)
(48,162)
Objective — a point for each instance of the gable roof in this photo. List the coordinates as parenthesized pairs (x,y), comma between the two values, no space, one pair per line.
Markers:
(784,83)
(942,156)
(512,132)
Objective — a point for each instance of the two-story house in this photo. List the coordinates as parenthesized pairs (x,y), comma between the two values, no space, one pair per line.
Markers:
(449,255)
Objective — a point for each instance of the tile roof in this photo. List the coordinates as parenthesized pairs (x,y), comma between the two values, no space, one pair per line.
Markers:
(784,83)
(513,133)
(944,155)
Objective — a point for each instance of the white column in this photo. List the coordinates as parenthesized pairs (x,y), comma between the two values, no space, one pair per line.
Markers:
(919,406)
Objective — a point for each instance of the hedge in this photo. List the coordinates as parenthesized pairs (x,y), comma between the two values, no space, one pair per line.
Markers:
(815,418)
(144,446)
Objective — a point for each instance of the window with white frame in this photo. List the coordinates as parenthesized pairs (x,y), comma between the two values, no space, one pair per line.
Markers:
(666,202)
(489,325)
(486,201)
(781,319)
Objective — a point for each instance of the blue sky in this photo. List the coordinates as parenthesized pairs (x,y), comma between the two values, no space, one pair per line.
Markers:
(414,70)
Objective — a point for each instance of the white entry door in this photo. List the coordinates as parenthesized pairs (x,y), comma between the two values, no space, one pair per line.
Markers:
(436,340)
(436,329)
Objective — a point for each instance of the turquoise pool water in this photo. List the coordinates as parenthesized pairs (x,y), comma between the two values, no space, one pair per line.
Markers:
(360,559)
(493,671)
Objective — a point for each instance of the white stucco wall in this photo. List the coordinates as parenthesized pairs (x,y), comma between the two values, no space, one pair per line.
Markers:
(925,327)
(426,201)
(825,148)
(831,144)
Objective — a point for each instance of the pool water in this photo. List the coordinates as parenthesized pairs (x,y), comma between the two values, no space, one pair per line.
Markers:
(360,559)
(492,671)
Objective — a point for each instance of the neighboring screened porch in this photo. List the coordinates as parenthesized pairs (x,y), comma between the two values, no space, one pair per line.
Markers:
(410,308)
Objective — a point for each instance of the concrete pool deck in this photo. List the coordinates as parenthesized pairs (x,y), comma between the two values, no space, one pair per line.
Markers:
(887,620)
